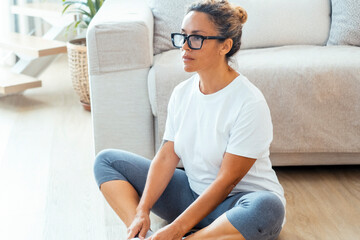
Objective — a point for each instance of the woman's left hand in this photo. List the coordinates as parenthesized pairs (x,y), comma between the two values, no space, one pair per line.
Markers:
(169,232)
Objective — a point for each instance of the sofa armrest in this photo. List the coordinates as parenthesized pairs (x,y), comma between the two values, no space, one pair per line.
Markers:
(120,53)
(120,37)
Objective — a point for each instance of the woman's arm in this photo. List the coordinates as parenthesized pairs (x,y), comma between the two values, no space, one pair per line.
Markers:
(233,169)
(161,170)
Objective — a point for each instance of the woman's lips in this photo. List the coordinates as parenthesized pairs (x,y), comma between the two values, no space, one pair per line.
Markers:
(186,58)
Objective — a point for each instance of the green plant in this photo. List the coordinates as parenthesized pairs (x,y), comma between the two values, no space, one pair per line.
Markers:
(85,10)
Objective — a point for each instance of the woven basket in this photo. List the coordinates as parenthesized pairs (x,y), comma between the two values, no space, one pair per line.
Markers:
(77,58)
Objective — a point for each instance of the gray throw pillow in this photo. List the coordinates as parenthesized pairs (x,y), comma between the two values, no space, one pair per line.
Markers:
(168,16)
(345,23)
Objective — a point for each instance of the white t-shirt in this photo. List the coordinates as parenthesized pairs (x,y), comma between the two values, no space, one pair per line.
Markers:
(235,119)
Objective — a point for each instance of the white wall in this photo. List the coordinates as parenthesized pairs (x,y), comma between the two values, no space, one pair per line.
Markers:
(25,25)
(5,24)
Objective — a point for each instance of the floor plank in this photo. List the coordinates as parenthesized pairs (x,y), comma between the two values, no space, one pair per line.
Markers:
(323,202)
(46,163)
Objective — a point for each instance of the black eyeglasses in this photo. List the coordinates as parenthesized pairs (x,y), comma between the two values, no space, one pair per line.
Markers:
(195,42)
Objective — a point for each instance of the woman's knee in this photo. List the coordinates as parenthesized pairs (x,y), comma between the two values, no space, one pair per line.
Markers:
(103,158)
(264,198)
(103,165)
(266,206)
(257,215)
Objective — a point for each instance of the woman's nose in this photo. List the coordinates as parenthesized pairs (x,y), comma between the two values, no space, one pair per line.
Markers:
(185,46)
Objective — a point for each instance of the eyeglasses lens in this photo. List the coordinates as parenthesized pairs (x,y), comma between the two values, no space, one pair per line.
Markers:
(179,40)
(195,41)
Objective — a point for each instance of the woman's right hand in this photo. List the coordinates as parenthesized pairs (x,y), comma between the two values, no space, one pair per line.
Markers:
(140,225)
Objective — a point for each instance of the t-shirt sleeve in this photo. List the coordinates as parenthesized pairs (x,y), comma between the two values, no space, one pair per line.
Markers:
(252,132)
(169,133)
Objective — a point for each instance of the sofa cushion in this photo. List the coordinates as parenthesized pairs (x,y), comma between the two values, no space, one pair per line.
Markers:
(345,23)
(274,23)
(168,16)
(270,22)
(312,92)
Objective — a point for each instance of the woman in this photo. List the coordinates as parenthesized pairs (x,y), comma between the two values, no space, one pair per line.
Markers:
(219,125)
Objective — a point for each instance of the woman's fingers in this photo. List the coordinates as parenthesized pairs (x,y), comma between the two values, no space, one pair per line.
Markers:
(139,226)
(145,228)
(133,231)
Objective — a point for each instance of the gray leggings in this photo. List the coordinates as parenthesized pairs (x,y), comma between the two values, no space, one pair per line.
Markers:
(256,215)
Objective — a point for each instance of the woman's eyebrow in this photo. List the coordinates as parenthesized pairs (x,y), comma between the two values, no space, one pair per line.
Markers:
(192,32)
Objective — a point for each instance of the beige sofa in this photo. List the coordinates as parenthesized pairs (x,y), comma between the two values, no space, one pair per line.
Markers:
(311,82)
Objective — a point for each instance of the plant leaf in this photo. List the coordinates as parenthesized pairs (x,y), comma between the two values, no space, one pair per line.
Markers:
(77,24)
(70,3)
(87,8)
(96,5)
(99,4)
(65,8)
(91,7)
(75,2)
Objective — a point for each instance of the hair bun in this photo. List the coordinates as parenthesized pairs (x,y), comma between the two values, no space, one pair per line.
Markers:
(241,12)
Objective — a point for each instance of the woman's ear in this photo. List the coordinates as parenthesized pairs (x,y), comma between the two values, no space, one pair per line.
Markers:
(226,46)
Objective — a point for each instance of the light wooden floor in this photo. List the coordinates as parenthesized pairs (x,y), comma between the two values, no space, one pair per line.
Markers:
(48,191)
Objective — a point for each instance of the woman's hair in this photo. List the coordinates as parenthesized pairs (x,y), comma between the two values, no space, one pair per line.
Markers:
(228,19)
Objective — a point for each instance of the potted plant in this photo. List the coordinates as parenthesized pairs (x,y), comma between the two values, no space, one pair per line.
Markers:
(84,11)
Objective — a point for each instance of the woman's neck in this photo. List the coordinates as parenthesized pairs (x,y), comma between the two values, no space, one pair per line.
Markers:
(215,79)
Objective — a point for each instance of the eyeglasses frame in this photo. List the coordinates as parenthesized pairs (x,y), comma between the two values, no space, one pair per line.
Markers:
(186,38)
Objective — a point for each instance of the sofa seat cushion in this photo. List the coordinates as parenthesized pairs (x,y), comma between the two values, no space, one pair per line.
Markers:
(312,92)
(166,72)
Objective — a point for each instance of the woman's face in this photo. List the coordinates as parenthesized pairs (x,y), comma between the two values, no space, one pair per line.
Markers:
(209,55)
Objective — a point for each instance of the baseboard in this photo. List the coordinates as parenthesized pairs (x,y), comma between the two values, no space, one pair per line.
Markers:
(300,159)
